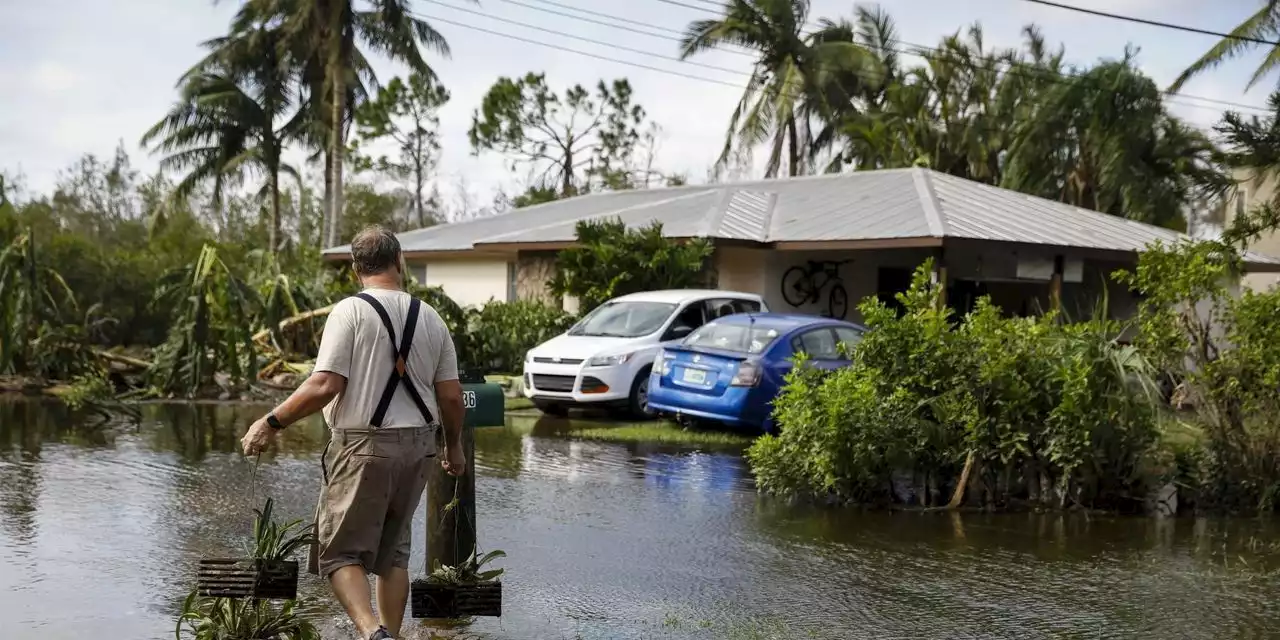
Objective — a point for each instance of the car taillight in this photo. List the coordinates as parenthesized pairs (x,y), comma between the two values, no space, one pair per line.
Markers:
(748,374)
(663,362)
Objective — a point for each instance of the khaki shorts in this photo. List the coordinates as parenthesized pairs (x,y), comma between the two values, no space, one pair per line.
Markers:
(373,481)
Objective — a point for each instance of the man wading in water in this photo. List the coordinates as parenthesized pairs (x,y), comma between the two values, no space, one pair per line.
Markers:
(385,370)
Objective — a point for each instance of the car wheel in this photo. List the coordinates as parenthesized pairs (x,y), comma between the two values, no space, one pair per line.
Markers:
(770,427)
(638,405)
(551,408)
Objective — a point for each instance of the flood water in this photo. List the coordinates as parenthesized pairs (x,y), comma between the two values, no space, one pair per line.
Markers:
(100,526)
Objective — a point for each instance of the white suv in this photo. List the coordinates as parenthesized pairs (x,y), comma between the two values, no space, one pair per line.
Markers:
(604,359)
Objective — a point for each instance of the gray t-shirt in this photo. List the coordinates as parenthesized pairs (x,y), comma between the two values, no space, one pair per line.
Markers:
(354,345)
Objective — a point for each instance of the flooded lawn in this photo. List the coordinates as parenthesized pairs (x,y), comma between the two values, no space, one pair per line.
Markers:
(100,528)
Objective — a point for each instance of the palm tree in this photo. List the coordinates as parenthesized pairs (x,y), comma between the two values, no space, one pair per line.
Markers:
(848,95)
(1264,24)
(232,120)
(952,114)
(791,78)
(1104,141)
(1253,144)
(324,40)
(329,32)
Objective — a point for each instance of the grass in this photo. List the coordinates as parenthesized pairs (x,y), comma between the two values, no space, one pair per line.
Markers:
(518,404)
(664,433)
(1178,433)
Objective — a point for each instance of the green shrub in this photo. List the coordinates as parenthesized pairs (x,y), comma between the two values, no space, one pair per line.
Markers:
(502,332)
(1226,351)
(1049,412)
(612,260)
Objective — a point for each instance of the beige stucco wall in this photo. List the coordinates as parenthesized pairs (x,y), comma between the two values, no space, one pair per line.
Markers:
(741,269)
(475,281)
(860,276)
(470,282)
(1248,195)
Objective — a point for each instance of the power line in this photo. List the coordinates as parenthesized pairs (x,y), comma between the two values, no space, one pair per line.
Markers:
(1227,103)
(580,52)
(992,128)
(920,51)
(1155,23)
(600,43)
(646,25)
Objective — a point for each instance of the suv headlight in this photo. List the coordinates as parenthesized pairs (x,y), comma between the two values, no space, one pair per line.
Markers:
(608,361)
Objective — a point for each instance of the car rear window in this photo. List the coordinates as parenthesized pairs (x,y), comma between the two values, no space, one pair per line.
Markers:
(735,337)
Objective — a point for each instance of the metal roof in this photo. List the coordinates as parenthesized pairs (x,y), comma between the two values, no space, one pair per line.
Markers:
(867,205)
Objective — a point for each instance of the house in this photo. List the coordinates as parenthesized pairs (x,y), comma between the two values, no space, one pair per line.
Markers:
(1027,253)
(1249,194)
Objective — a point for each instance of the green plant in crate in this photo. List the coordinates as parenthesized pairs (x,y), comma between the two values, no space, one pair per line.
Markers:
(274,541)
(468,572)
(214,618)
(232,619)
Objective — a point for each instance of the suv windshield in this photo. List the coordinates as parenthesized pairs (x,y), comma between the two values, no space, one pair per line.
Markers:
(739,338)
(624,319)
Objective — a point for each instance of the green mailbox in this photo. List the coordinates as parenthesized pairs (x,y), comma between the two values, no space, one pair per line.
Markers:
(485,404)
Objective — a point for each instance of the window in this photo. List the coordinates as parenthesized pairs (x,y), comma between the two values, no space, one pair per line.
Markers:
(419,273)
(848,337)
(722,307)
(737,337)
(820,344)
(891,281)
(624,319)
(512,293)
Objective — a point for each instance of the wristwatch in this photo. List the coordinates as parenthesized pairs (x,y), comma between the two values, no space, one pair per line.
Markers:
(274,422)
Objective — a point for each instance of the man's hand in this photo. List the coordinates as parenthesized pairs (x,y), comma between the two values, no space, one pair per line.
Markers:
(259,436)
(454,463)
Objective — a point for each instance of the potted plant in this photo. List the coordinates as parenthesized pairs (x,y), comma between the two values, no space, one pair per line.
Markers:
(459,591)
(268,573)
(232,597)
(206,618)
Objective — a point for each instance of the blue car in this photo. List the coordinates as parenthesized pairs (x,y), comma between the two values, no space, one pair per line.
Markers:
(730,369)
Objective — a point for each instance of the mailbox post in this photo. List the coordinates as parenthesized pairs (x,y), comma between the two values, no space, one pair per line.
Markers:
(450,540)
(485,404)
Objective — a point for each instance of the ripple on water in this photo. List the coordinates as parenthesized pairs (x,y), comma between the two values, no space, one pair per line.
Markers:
(610,540)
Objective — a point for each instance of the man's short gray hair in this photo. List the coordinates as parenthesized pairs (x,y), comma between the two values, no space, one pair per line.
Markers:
(374,250)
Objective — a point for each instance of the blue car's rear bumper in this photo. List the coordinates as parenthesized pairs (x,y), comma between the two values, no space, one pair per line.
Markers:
(737,407)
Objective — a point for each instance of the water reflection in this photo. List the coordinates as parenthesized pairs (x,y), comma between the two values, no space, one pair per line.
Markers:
(605,540)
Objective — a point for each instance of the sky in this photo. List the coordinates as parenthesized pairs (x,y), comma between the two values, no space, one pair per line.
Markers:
(82,76)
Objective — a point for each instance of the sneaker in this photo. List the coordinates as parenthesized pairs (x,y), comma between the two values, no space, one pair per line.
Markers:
(381,634)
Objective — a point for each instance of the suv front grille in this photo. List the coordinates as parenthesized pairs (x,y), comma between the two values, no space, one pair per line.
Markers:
(545,360)
(552,383)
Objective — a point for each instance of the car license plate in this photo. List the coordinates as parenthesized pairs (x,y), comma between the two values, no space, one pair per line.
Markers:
(695,376)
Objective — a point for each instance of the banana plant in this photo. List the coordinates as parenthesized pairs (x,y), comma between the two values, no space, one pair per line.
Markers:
(213,327)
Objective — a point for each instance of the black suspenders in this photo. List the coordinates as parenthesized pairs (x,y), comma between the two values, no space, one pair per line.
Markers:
(400,354)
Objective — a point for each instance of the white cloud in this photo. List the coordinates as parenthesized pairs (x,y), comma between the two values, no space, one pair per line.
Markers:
(53,77)
(105,74)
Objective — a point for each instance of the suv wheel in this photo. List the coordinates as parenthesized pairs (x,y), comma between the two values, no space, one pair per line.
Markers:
(638,402)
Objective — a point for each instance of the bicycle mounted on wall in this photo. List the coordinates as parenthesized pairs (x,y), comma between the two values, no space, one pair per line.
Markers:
(802,285)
